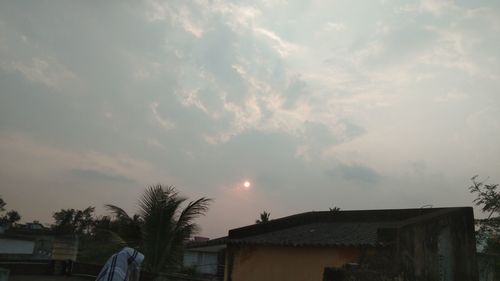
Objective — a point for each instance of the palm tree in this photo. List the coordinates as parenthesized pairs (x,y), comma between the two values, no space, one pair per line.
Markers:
(264,217)
(161,227)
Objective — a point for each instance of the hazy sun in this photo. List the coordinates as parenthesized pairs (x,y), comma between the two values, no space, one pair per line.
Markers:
(246,184)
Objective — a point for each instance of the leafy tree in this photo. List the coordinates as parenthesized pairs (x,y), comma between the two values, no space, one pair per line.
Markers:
(125,229)
(264,217)
(161,227)
(2,204)
(99,243)
(10,217)
(74,221)
(488,197)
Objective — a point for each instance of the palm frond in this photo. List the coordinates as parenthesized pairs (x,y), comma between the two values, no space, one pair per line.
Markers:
(118,212)
(164,225)
(193,210)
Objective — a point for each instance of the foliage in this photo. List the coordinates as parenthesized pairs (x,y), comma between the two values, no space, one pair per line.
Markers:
(2,204)
(98,245)
(124,230)
(10,217)
(488,198)
(264,217)
(334,209)
(74,221)
(161,227)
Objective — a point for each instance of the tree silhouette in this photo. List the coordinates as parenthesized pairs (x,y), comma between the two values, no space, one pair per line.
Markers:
(488,197)
(74,221)
(161,227)
(334,209)
(264,217)
(10,217)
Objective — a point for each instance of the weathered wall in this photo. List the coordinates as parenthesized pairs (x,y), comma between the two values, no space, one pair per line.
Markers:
(270,263)
(440,249)
(65,248)
(486,265)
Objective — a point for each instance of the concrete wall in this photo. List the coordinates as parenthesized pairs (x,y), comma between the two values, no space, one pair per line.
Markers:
(271,263)
(439,249)
(486,266)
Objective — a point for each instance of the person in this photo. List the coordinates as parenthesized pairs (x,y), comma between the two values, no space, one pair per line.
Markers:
(122,266)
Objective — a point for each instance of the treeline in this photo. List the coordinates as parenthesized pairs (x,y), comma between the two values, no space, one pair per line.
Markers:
(99,236)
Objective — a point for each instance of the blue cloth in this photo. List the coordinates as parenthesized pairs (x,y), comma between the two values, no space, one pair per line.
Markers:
(122,266)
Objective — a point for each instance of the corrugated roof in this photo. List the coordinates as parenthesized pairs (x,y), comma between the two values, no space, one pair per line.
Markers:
(319,234)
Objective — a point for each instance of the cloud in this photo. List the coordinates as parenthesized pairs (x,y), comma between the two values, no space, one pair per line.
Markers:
(164,123)
(290,94)
(452,96)
(434,7)
(355,172)
(47,71)
(282,47)
(334,26)
(48,161)
(177,14)
(95,176)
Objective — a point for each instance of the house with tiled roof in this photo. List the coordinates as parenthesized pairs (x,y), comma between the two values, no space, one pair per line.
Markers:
(397,244)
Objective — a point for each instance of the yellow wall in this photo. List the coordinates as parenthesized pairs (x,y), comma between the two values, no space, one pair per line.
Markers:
(270,263)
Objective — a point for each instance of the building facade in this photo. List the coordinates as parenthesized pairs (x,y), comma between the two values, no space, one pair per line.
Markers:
(405,244)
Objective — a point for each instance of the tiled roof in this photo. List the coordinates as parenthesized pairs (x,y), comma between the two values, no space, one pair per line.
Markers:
(335,228)
(319,234)
(331,228)
(208,243)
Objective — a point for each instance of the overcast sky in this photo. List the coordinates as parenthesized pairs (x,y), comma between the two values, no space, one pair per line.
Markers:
(355,104)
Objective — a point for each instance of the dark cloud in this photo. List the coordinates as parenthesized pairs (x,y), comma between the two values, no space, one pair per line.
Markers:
(355,172)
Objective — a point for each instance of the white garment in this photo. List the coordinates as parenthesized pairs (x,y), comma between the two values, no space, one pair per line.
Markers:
(122,266)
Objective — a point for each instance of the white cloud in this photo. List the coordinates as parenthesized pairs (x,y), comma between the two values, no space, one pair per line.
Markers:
(153,142)
(237,16)
(434,7)
(437,7)
(454,50)
(47,71)
(181,15)
(164,123)
(190,98)
(282,47)
(334,26)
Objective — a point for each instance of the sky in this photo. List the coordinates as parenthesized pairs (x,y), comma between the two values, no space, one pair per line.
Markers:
(354,104)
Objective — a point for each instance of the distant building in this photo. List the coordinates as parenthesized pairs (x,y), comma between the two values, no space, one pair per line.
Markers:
(205,256)
(37,242)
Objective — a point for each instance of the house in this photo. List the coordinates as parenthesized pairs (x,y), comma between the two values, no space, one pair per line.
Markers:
(33,241)
(206,257)
(15,245)
(399,244)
